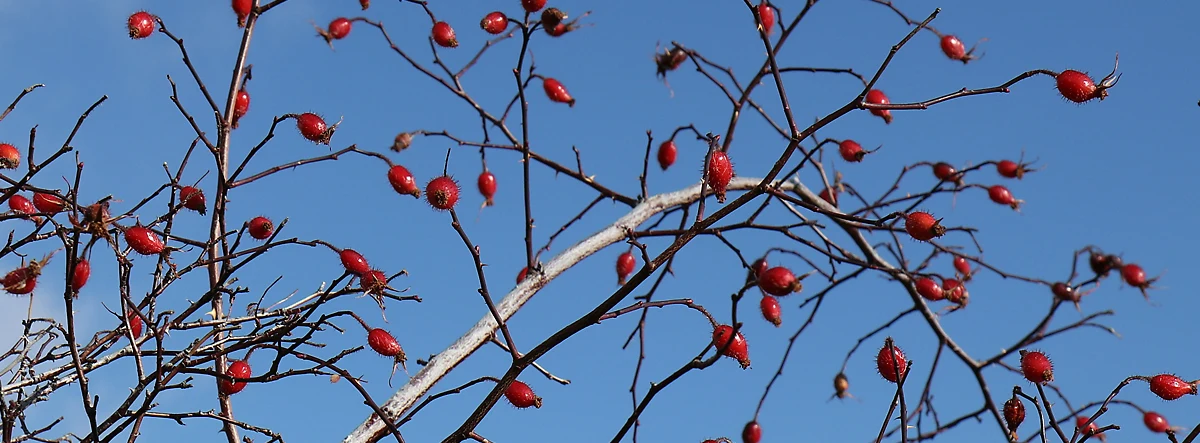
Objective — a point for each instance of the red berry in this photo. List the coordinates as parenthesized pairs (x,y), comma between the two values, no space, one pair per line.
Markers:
(144,241)
(557,92)
(135,324)
(1001,195)
(962,267)
(1155,422)
(1170,387)
(21,281)
(83,271)
(521,275)
(1037,367)
(1078,87)
(442,193)
(403,182)
(943,171)
(922,226)
(241,105)
(720,172)
(877,97)
(768,17)
(737,347)
(1014,414)
(339,28)
(141,25)
(10,157)
(1064,292)
(261,228)
(494,23)
(487,186)
(533,5)
(625,264)
(354,262)
(313,127)
(829,195)
(1101,264)
(18,203)
(759,266)
(954,48)
(888,368)
(384,343)
(1091,428)
(851,151)
(929,289)
(552,21)
(752,433)
(242,9)
(365,4)
(521,395)
(771,310)
(1011,169)
(443,35)
(1133,275)
(192,198)
(239,369)
(955,292)
(666,154)
(779,281)
(48,203)
(373,282)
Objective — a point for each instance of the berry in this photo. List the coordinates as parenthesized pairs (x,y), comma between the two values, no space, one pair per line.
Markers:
(141,25)
(521,275)
(1155,422)
(1134,275)
(752,433)
(768,17)
(962,267)
(22,280)
(625,264)
(954,48)
(402,181)
(144,241)
(533,5)
(929,289)
(1064,292)
(443,35)
(83,271)
(1078,87)
(779,281)
(955,292)
(241,105)
(10,157)
(829,195)
(192,198)
(1011,169)
(374,282)
(888,368)
(841,386)
(1091,428)
(242,9)
(521,395)
(877,97)
(239,369)
(1014,414)
(18,203)
(923,227)
(770,310)
(735,347)
(135,324)
(666,154)
(1101,264)
(384,343)
(720,171)
(442,193)
(494,23)
(261,228)
(487,186)
(48,203)
(313,127)
(557,92)
(943,171)
(354,262)
(1170,387)
(365,4)
(851,151)
(339,28)
(759,266)
(552,22)
(1001,195)
(1036,367)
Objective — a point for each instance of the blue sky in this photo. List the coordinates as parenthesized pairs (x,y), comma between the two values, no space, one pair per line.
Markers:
(1118,174)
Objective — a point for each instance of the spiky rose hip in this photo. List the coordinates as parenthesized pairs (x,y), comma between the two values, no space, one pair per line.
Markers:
(1170,387)
(779,281)
(10,157)
(735,347)
(719,173)
(923,227)
(1036,367)
(260,228)
(770,309)
(442,193)
(313,128)
(521,395)
(141,25)
(891,365)
(1014,414)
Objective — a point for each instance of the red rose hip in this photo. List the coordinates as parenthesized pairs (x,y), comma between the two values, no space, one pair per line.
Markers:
(239,369)
(891,365)
(354,262)
(719,173)
(1171,387)
(21,205)
(521,395)
(402,181)
(487,186)
(768,17)
(242,9)
(922,226)
(666,154)
(494,23)
(313,128)
(141,25)
(48,203)
(851,151)
(444,36)
(10,157)
(83,271)
(533,5)
(625,265)
(192,198)
(557,92)
(929,289)
(261,228)
(1155,422)
(1036,367)
(771,310)
(752,433)
(442,193)
(779,281)
(735,347)
(877,97)
(144,241)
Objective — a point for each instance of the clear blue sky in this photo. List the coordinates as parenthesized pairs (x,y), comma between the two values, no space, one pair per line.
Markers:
(1117,174)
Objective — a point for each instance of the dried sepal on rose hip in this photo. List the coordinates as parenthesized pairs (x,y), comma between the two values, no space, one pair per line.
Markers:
(731,346)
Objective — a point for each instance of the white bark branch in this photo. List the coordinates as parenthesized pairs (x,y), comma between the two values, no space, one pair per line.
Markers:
(445,361)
